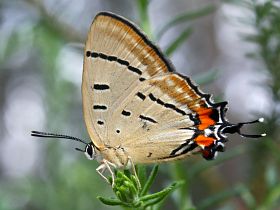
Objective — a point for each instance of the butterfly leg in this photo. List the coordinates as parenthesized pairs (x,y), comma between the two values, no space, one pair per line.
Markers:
(106,165)
(100,169)
(134,171)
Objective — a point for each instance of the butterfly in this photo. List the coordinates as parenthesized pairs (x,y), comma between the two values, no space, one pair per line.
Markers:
(137,108)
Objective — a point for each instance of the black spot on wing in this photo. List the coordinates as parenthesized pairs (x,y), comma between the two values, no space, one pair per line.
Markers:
(141,95)
(94,54)
(152,97)
(149,155)
(88,53)
(114,59)
(167,105)
(126,113)
(160,102)
(149,119)
(184,148)
(101,87)
(99,107)
(103,56)
(172,106)
(99,122)
(123,62)
(133,69)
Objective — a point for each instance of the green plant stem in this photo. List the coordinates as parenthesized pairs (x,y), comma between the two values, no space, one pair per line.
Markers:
(149,181)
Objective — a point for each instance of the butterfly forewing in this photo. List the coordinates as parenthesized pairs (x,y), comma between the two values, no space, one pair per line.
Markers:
(117,59)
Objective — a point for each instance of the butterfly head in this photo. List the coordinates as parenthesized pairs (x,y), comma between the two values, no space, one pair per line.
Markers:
(89,151)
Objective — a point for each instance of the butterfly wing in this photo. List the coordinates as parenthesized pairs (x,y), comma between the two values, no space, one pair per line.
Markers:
(132,99)
(117,59)
(167,120)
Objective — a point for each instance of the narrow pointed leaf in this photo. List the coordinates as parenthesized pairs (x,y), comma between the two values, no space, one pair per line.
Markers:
(184,17)
(219,197)
(160,199)
(207,77)
(202,166)
(178,41)
(149,181)
(144,18)
(270,201)
(110,201)
(163,192)
(142,174)
(155,201)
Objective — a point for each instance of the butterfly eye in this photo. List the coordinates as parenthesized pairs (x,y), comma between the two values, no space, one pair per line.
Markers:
(89,151)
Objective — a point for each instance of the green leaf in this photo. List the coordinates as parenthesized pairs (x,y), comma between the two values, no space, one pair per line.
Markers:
(120,196)
(160,196)
(183,200)
(252,55)
(218,197)
(206,77)
(110,201)
(272,199)
(163,192)
(143,8)
(178,41)
(144,18)
(242,3)
(149,181)
(155,201)
(204,165)
(271,175)
(184,17)
(135,183)
(142,173)
(247,197)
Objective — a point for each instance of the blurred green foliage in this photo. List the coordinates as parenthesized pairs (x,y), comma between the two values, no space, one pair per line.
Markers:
(74,184)
(265,156)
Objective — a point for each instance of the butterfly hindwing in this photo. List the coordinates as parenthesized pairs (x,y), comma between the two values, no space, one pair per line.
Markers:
(161,119)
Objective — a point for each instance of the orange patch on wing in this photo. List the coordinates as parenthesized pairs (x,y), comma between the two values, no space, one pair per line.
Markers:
(204,111)
(202,140)
(204,118)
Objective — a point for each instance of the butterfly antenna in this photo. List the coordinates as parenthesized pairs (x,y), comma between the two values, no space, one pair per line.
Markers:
(250,135)
(80,150)
(54,135)
(235,128)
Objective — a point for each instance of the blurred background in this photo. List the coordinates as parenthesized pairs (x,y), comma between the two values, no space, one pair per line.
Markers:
(230,48)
